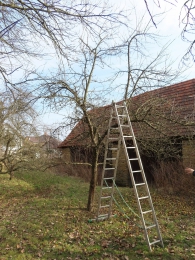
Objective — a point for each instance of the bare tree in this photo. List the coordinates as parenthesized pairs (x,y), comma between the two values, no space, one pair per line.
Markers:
(76,89)
(31,29)
(186,20)
(101,54)
(17,117)
(141,71)
(92,80)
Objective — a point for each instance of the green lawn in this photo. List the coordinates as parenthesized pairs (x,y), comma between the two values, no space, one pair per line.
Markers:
(43,216)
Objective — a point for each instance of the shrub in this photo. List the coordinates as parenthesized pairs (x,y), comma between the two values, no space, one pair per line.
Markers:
(170,177)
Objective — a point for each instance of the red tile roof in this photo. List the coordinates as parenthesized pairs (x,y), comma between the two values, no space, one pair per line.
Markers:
(153,113)
(169,108)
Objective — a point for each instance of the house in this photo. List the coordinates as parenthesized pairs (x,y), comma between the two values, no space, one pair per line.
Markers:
(47,144)
(164,125)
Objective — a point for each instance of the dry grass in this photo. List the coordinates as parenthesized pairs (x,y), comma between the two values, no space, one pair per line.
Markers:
(169,177)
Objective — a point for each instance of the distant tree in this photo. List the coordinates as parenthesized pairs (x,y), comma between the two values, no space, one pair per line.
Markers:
(17,121)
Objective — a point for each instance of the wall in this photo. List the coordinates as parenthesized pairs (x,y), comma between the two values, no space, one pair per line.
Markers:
(66,155)
(122,175)
(188,153)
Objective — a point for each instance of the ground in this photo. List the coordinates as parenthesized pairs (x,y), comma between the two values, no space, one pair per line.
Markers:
(44,216)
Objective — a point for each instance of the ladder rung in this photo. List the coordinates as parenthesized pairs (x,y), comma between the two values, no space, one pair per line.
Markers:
(148,211)
(113,149)
(105,206)
(106,197)
(151,226)
(142,198)
(124,134)
(103,216)
(122,115)
(119,106)
(140,184)
(154,242)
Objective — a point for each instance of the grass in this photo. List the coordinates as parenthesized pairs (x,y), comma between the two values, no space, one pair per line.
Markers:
(44,216)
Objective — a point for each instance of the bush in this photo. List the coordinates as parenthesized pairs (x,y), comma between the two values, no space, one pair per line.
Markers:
(81,171)
(170,177)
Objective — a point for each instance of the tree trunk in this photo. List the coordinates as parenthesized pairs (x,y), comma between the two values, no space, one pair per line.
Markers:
(93,181)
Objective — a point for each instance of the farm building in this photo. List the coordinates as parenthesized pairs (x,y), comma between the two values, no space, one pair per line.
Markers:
(47,144)
(163,121)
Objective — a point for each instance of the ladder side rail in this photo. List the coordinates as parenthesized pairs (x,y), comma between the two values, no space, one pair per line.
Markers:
(104,164)
(125,149)
(141,167)
(138,156)
(114,175)
(143,175)
(135,144)
(130,168)
(144,179)
(118,146)
(134,187)
(137,196)
(126,155)
(104,167)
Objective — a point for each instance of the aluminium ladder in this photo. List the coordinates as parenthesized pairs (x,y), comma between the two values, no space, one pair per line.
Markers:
(120,134)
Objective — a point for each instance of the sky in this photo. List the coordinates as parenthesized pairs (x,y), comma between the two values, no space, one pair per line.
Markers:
(167,25)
